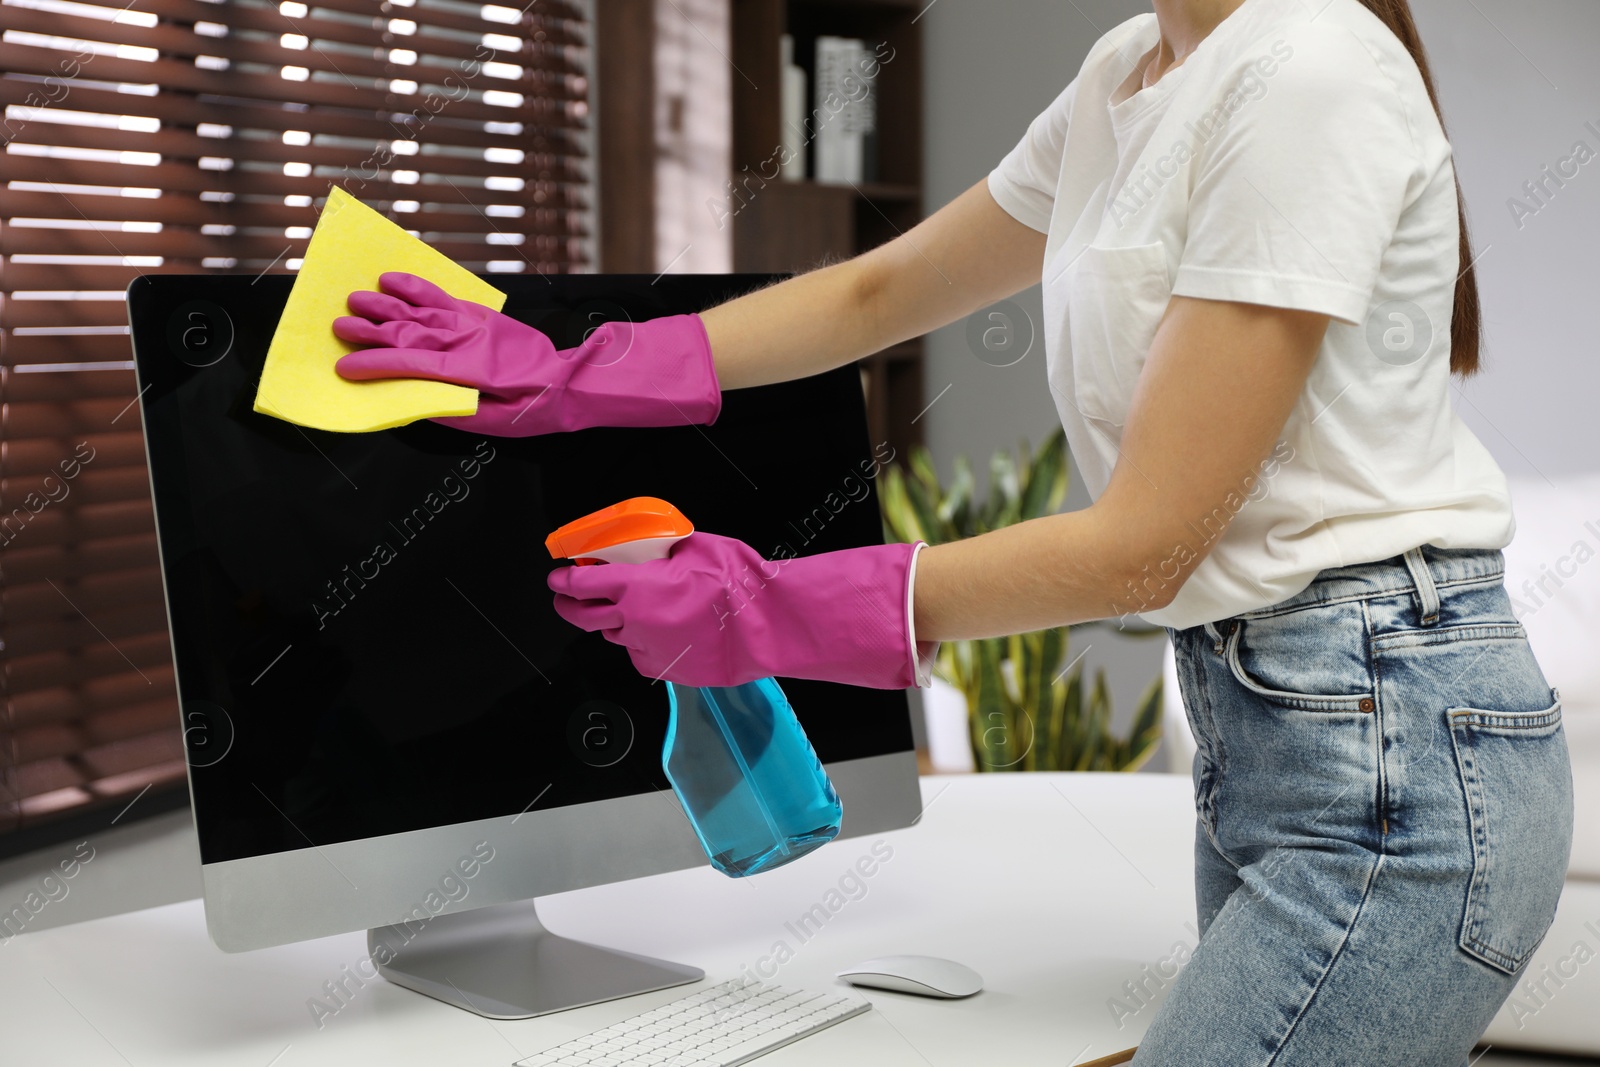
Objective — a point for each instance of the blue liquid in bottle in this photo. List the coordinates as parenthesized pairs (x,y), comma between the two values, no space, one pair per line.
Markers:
(747,776)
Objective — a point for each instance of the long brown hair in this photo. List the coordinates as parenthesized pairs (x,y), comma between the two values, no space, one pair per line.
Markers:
(1466,323)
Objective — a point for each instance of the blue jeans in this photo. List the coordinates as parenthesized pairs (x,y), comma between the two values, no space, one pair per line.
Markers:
(1384,807)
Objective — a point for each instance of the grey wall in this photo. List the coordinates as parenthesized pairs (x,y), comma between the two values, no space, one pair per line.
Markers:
(992,65)
(1518,84)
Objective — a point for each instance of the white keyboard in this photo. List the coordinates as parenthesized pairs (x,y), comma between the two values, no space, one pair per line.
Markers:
(719,1026)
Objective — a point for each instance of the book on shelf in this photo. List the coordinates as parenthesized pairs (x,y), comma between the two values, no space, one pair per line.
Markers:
(794,139)
(844,118)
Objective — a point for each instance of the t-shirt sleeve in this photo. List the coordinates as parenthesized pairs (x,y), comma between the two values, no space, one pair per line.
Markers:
(1023,183)
(1299,186)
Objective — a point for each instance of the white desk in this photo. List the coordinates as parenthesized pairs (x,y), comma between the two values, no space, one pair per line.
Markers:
(1056,888)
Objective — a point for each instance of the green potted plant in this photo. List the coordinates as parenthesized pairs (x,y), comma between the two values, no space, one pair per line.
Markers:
(1024,712)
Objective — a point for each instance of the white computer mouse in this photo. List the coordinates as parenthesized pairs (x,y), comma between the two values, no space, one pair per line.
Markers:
(927,976)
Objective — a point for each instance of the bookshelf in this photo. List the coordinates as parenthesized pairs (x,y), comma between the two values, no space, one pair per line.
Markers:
(797,226)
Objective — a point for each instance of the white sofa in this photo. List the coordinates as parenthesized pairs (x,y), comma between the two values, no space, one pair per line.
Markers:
(1557,1006)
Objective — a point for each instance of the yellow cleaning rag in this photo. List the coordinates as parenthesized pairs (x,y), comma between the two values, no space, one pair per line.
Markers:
(351,246)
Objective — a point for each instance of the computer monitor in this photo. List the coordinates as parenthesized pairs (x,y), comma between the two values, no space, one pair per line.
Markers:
(388,726)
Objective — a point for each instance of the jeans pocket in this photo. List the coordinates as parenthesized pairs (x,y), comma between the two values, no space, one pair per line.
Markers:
(1517,780)
(1298,663)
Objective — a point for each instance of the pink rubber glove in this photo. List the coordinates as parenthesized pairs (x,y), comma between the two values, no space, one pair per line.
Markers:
(653,373)
(715,613)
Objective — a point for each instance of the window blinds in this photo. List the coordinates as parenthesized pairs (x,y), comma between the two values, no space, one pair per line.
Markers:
(185,136)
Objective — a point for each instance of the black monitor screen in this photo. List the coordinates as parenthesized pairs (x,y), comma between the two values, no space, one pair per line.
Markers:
(363,637)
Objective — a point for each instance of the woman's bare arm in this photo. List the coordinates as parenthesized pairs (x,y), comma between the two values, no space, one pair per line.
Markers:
(1215,392)
(964,257)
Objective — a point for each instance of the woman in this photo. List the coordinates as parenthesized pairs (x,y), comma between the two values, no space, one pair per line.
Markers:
(1256,286)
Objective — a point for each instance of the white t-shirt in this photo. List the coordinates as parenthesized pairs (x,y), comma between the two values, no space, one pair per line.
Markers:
(1292,160)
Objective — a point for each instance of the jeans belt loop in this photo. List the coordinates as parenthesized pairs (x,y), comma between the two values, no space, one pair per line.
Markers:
(1216,638)
(1427,592)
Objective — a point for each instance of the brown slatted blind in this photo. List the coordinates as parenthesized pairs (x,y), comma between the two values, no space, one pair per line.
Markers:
(189,135)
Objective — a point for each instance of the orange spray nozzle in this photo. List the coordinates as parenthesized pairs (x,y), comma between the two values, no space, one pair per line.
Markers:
(638,529)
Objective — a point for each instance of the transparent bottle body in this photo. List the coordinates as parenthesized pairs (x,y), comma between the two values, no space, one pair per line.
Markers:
(747,776)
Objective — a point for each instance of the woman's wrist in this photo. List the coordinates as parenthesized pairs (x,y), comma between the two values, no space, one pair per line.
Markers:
(1051,571)
(922,653)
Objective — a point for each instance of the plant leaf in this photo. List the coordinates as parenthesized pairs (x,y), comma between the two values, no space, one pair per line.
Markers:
(922,506)
(956,508)
(990,728)
(898,512)
(1096,720)
(1047,478)
(1052,716)
(922,468)
(1072,725)
(1145,733)
(1005,498)
(1044,652)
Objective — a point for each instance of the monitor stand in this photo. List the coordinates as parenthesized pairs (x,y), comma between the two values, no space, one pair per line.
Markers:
(501,963)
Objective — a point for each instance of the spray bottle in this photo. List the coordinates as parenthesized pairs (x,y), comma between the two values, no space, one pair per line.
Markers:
(746,774)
